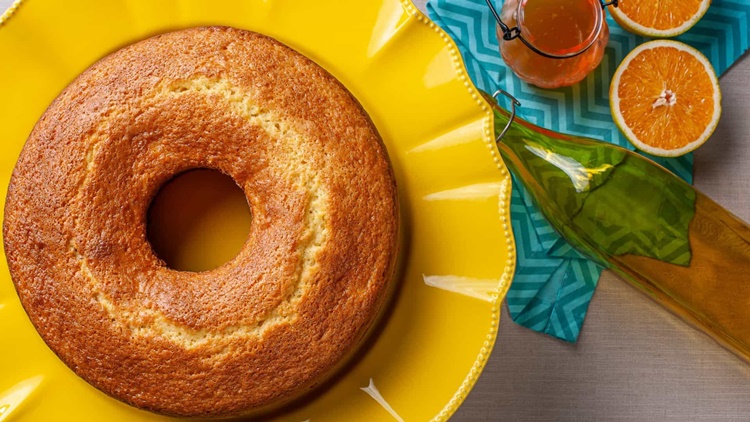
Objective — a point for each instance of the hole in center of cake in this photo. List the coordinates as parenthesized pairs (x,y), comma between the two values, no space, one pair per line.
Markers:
(198,221)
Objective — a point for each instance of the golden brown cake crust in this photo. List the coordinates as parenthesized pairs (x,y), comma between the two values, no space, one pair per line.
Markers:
(264,327)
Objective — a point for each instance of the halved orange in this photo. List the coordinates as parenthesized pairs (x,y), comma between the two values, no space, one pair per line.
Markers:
(665,98)
(659,18)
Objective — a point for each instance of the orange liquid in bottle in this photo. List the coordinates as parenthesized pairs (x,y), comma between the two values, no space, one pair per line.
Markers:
(556,27)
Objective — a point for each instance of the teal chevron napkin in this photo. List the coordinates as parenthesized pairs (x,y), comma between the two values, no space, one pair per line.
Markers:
(553,283)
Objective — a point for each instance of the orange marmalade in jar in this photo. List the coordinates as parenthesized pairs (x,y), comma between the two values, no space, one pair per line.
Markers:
(552,43)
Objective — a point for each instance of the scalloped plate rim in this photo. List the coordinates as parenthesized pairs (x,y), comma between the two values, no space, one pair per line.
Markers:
(503,285)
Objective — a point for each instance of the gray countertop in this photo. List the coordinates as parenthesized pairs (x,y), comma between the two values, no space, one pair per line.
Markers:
(634,361)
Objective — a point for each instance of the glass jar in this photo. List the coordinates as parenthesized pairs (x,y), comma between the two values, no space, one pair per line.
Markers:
(552,43)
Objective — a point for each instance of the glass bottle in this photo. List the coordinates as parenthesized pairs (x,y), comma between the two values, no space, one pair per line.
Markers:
(552,43)
(633,216)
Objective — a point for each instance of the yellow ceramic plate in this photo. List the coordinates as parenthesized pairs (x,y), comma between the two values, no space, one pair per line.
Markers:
(454,191)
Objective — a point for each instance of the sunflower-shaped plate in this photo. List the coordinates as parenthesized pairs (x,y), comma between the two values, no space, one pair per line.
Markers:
(454,192)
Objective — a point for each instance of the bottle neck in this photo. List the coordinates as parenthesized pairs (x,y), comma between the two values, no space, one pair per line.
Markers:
(554,182)
(606,201)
